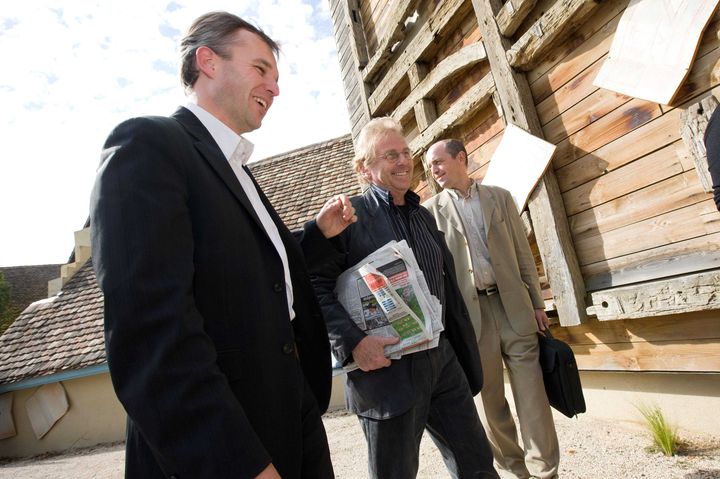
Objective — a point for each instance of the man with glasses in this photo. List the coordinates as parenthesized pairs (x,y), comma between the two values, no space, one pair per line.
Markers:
(395,400)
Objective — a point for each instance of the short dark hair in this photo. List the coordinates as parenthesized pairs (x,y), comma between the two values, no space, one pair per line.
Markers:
(454,147)
(213,30)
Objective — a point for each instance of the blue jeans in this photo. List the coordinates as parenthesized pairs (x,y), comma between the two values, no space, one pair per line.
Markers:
(444,405)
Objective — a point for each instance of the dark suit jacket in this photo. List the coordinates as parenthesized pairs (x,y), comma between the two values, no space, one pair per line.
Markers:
(199,343)
(387,392)
(712,147)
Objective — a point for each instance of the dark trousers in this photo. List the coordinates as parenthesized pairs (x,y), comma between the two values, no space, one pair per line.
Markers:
(444,405)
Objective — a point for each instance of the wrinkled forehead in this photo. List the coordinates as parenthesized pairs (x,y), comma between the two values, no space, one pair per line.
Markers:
(389,140)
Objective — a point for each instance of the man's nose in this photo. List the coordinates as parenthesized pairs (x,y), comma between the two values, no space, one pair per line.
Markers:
(273,87)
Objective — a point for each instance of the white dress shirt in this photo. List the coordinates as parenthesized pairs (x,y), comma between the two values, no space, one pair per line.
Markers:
(237,151)
(473,220)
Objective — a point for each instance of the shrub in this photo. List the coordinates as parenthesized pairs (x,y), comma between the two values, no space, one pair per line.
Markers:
(664,435)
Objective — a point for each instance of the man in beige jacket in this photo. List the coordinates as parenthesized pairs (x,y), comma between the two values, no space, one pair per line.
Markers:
(499,283)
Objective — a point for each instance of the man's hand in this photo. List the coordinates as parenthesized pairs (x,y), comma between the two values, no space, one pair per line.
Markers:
(269,473)
(369,354)
(336,214)
(542,320)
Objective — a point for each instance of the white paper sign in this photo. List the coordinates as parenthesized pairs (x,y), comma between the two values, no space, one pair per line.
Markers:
(518,163)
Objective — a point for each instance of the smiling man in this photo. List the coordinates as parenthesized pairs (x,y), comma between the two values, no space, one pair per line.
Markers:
(214,338)
(396,400)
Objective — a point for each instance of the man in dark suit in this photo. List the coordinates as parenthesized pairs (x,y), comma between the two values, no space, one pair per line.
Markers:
(215,341)
(433,389)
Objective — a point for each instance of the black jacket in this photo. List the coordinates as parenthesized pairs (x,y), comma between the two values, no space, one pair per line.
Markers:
(199,342)
(387,392)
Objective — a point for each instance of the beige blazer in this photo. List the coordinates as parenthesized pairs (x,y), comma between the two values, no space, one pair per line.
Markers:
(510,256)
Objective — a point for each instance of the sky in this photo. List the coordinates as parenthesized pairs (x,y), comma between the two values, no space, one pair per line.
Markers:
(73,70)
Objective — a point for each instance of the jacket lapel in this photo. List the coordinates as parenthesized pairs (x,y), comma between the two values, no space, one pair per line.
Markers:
(487,202)
(211,153)
(448,210)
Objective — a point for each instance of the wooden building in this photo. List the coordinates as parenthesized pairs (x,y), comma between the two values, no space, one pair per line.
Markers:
(627,238)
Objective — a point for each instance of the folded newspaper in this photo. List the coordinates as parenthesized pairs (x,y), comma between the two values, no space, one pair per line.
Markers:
(386,295)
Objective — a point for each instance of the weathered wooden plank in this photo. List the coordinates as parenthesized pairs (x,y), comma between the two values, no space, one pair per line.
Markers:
(680,356)
(588,43)
(653,135)
(693,125)
(556,24)
(545,204)
(425,115)
(569,94)
(358,45)
(674,192)
(683,257)
(512,14)
(425,110)
(693,292)
(696,326)
(585,112)
(612,126)
(445,71)
(678,225)
(356,90)
(399,11)
(469,103)
(704,75)
(445,17)
(644,171)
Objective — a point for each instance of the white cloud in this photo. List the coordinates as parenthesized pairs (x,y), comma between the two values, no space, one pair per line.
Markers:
(74,71)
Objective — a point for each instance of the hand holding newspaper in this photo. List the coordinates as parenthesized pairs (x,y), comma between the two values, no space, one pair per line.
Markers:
(386,295)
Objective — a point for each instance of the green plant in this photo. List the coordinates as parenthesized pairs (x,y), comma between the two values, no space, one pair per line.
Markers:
(664,436)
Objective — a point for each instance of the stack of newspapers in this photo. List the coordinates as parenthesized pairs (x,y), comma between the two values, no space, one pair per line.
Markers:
(386,295)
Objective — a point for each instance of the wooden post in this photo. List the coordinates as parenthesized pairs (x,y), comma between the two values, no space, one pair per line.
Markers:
(425,115)
(546,207)
(693,125)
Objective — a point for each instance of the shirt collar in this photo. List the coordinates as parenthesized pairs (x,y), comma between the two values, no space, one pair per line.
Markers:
(233,146)
(411,198)
(458,195)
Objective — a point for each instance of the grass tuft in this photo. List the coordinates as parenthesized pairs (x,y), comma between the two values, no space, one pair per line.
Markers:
(665,438)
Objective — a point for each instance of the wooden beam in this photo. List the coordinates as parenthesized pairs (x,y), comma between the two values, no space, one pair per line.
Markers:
(400,11)
(693,125)
(548,31)
(694,292)
(424,38)
(348,28)
(546,207)
(357,32)
(445,71)
(425,115)
(512,14)
(473,99)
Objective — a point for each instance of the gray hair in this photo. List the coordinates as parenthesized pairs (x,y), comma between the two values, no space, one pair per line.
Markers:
(369,136)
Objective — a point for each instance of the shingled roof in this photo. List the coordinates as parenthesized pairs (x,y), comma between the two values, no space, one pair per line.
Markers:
(61,333)
(28,283)
(65,332)
(298,182)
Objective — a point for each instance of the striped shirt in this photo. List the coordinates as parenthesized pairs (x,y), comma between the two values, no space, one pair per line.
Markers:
(408,225)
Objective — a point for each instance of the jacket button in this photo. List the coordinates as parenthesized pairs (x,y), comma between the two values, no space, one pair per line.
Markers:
(278,287)
(288,348)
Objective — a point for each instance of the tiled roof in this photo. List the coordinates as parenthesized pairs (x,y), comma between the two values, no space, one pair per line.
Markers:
(61,333)
(28,283)
(66,332)
(300,181)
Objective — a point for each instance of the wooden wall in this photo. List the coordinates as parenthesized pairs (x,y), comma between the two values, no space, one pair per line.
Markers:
(645,235)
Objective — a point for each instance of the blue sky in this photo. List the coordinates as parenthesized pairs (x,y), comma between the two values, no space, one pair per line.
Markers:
(73,70)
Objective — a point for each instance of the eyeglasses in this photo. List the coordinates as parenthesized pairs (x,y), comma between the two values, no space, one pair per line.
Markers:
(393,156)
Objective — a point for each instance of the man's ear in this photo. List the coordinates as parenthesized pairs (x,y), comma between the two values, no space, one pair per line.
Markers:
(205,59)
(463,157)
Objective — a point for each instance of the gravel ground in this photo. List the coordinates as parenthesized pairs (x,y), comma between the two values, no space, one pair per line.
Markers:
(590,449)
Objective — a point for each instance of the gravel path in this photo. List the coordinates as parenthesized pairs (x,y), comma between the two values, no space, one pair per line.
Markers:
(590,449)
